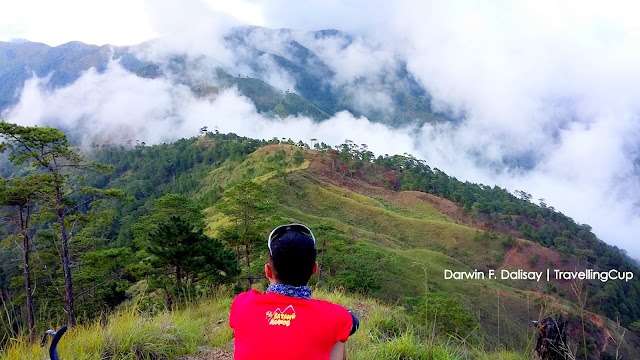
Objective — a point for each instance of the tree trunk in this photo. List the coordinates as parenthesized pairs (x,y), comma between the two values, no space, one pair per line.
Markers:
(167,300)
(27,286)
(324,249)
(178,276)
(66,262)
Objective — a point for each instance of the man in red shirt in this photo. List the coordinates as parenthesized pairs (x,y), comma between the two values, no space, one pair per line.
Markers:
(284,322)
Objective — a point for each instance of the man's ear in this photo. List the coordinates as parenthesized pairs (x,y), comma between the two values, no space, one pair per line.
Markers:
(315,268)
(268,271)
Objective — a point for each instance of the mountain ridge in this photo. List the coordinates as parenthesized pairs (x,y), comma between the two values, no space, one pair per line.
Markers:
(311,75)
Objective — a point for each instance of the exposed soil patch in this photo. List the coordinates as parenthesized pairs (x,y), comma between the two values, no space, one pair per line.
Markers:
(597,320)
(528,255)
(445,206)
(356,184)
(545,297)
(324,173)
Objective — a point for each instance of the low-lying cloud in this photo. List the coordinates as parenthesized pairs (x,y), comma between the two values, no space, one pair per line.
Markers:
(118,105)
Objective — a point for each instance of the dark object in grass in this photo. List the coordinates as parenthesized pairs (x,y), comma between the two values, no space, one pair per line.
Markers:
(552,339)
(53,351)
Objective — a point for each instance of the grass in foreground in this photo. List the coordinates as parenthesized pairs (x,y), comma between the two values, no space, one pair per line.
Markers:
(385,333)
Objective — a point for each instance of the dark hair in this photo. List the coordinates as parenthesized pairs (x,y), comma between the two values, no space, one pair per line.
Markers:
(293,256)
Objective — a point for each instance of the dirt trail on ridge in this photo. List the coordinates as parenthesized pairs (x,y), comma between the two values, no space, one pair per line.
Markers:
(209,354)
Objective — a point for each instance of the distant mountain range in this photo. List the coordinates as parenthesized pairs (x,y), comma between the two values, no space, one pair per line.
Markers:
(390,96)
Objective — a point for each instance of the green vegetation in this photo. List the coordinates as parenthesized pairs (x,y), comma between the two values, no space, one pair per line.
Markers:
(270,100)
(47,152)
(247,205)
(108,256)
(381,232)
(187,255)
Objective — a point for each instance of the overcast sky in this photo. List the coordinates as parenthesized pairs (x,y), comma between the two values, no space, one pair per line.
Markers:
(553,81)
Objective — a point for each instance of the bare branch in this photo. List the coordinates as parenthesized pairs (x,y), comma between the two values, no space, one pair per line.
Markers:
(115,276)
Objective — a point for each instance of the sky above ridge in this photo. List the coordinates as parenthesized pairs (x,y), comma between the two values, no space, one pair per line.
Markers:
(116,22)
(554,81)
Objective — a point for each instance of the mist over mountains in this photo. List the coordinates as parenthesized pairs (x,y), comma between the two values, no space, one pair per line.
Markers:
(565,133)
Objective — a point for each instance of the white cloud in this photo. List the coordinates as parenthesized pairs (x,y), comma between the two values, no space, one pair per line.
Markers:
(113,105)
(349,58)
(186,28)
(235,113)
(118,105)
(274,75)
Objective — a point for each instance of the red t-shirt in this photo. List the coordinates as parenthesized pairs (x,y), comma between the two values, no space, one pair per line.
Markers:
(274,326)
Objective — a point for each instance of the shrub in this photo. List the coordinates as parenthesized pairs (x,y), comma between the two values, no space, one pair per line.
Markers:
(445,314)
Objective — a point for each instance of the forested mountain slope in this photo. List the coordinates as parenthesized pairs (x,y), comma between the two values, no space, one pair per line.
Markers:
(387,227)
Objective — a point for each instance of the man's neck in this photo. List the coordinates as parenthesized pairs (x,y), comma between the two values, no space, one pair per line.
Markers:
(300,292)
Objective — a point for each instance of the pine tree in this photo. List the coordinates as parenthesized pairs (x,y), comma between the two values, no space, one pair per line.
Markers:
(189,254)
(20,199)
(49,153)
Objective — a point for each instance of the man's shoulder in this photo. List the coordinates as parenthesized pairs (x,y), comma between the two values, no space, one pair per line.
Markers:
(245,296)
(341,318)
(254,296)
(328,305)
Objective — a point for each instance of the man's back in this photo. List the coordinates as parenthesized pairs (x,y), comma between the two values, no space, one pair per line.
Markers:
(274,326)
